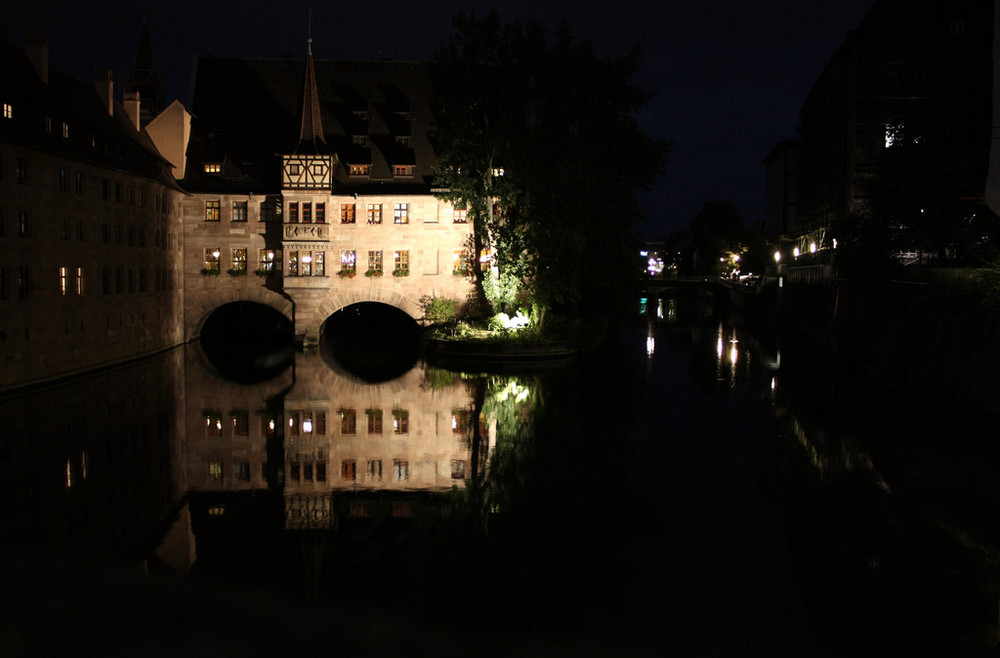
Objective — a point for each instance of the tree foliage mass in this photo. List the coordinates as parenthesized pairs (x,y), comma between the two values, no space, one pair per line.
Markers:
(536,136)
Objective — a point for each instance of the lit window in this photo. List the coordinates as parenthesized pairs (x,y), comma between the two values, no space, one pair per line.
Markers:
(215,472)
(458,469)
(348,421)
(239,211)
(319,266)
(498,171)
(293,263)
(401,263)
(212,259)
(265,259)
(8,111)
(347,213)
(402,170)
(348,469)
(361,170)
(460,421)
(213,425)
(401,213)
(63,281)
(213,168)
(65,130)
(80,286)
(374,213)
(400,470)
(348,263)
(374,420)
(400,421)
(460,216)
(460,262)
(374,263)
(212,210)
(239,261)
(375,469)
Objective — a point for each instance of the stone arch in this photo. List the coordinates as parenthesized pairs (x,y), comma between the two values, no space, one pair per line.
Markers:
(393,298)
(198,309)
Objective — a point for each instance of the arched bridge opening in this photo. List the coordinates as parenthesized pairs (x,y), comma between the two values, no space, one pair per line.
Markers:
(247,341)
(371,340)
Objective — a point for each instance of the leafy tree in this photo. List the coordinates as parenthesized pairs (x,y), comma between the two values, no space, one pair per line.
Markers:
(536,137)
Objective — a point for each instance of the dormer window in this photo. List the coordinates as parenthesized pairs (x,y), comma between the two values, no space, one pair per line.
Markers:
(402,170)
(360,140)
(213,168)
(404,140)
(8,111)
(361,170)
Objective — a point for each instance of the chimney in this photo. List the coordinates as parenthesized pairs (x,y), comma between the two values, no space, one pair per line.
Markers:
(104,84)
(132,107)
(36,47)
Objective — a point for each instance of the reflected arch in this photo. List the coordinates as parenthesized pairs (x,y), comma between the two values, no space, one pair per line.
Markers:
(371,341)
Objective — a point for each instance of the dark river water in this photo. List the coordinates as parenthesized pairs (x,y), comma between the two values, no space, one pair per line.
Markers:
(692,487)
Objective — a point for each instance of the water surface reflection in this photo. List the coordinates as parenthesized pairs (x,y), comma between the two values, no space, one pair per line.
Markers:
(687,488)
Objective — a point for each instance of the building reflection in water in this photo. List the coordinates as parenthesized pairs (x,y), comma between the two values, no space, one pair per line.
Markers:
(316,435)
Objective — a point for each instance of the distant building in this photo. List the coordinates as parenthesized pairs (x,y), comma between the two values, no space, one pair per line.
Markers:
(909,70)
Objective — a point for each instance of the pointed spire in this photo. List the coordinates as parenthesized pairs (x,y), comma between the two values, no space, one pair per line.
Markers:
(312,124)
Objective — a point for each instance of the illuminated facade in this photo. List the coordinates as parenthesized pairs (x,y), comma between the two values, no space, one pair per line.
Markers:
(322,194)
(303,186)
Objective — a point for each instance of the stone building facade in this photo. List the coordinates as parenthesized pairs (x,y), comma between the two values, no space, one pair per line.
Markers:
(302,186)
(90,238)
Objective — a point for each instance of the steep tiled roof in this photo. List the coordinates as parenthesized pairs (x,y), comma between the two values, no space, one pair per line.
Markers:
(40,109)
(372,113)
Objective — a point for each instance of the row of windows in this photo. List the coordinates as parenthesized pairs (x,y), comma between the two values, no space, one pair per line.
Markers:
(134,235)
(308,263)
(315,213)
(73,280)
(315,471)
(131,193)
(315,422)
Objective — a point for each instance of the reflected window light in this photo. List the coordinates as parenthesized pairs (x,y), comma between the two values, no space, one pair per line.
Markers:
(83,465)
(69,474)
(774,384)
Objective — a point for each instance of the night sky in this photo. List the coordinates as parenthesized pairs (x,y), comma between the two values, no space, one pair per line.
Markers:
(728,76)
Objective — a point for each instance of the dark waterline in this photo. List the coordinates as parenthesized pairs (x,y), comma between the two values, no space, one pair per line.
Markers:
(688,488)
